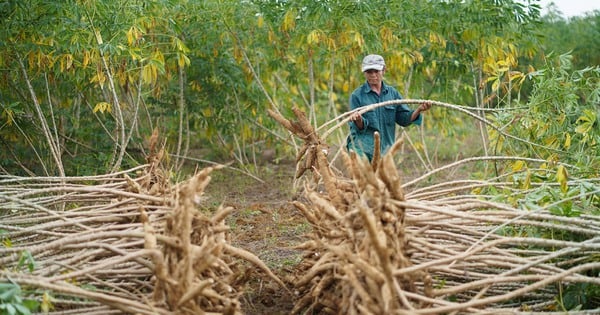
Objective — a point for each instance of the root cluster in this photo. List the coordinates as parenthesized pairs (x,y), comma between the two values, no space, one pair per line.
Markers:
(376,249)
(128,242)
(132,242)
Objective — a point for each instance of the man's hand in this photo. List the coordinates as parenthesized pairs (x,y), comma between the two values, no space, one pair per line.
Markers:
(424,107)
(357,119)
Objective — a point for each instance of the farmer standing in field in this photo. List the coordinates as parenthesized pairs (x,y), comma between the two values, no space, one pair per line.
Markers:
(381,119)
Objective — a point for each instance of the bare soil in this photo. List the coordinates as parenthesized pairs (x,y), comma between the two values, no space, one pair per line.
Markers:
(265,223)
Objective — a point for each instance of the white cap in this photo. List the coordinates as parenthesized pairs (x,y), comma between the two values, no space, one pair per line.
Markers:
(375,62)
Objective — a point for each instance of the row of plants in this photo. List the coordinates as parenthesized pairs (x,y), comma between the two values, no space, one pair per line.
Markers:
(85,82)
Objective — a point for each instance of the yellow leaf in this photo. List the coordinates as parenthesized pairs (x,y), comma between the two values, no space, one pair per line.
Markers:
(562,177)
(358,40)
(346,87)
(568,141)
(387,34)
(246,132)
(552,160)
(583,128)
(182,59)
(405,60)
(66,62)
(418,145)
(518,165)
(294,90)
(515,75)
(31,59)
(158,56)
(313,37)
(238,54)
(491,78)
(130,36)
(196,86)
(102,107)
(48,60)
(432,37)
(180,45)
(527,182)
(331,44)
(552,141)
(98,37)
(289,21)
(489,66)
(490,51)
(261,21)
(495,85)
(8,113)
(513,49)
(585,122)
(502,64)
(149,73)
(588,116)
(86,58)
(99,77)
(271,36)
(418,57)
(46,304)
(469,34)
(499,142)
(6,242)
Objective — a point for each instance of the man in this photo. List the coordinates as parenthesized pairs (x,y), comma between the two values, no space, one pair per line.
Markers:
(382,119)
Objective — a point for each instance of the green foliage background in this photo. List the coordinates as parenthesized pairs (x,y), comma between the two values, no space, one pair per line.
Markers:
(84,83)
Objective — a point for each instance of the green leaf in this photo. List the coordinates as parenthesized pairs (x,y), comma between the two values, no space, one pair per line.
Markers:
(10,309)
(8,294)
(6,242)
(5,286)
(27,258)
(22,309)
(31,305)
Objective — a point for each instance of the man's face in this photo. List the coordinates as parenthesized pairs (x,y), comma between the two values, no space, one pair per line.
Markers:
(374,77)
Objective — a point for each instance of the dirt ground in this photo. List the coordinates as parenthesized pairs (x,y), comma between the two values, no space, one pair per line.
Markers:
(265,223)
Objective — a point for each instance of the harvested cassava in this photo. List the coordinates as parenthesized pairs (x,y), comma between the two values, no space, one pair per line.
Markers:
(128,242)
(376,249)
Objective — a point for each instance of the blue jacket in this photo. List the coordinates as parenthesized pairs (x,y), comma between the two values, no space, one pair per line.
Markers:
(382,119)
